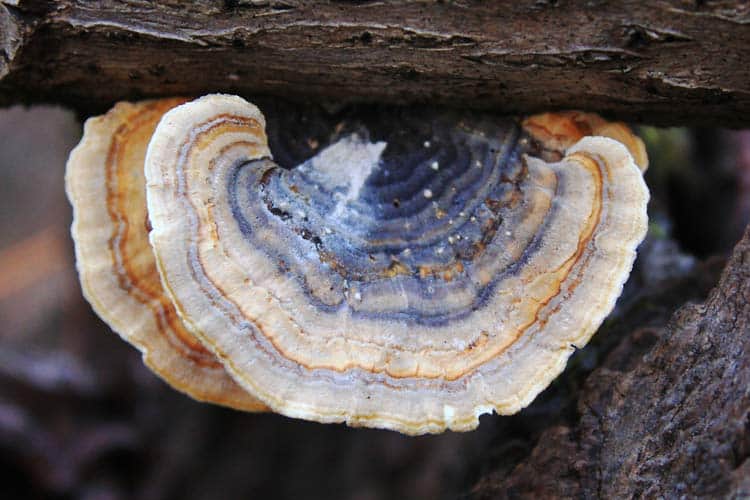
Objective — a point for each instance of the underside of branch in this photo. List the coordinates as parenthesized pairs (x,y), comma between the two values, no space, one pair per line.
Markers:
(669,62)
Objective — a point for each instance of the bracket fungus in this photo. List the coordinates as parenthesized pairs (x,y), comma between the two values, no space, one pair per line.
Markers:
(404,269)
(106,186)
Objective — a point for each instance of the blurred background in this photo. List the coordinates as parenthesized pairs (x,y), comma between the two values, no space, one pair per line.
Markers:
(81,417)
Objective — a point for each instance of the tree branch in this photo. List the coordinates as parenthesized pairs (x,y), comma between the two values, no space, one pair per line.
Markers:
(664,62)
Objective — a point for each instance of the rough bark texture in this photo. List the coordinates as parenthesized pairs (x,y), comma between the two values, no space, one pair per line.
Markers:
(673,423)
(672,61)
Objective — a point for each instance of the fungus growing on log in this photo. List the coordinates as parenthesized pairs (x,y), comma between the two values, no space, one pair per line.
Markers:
(106,186)
(563,129)
(420,269)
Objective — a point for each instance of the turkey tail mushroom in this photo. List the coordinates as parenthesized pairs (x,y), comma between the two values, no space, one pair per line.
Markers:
(563,129)
(421,269)
(106,186)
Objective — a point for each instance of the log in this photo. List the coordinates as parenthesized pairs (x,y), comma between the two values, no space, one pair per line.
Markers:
(672,423)
(669,62)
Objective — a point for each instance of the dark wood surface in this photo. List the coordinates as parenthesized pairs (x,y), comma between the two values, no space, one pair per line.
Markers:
(665,415)
(668,62)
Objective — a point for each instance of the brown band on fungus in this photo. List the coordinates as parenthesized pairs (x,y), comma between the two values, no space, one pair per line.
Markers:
(106,186)
(561,130)
(414,271)
(124,200)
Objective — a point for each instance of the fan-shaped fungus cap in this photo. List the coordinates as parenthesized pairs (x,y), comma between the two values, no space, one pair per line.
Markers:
(106,187)
(412,275)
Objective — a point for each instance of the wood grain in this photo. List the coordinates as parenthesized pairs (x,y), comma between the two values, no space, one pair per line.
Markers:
(667,62)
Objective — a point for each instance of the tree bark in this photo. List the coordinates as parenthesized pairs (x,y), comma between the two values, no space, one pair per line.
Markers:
(667,62)
(674,423)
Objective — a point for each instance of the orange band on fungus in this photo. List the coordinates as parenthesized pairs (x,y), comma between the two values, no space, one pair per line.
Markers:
(106,186)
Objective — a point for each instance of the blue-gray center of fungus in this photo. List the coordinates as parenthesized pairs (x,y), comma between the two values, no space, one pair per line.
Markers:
(392,202)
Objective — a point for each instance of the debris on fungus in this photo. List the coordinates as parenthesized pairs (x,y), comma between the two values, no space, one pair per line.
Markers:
(106,186)
(409,270)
